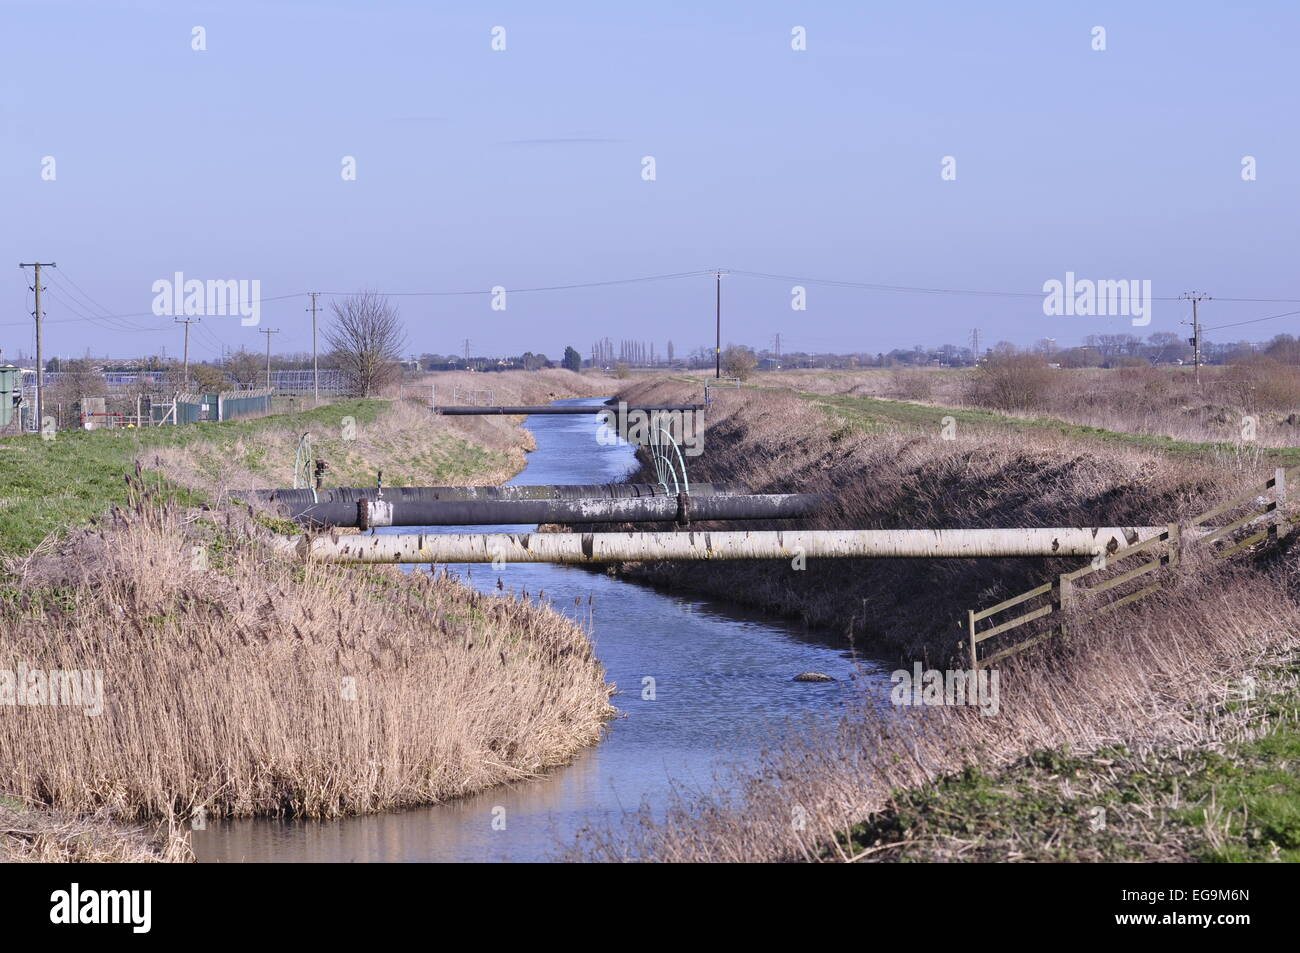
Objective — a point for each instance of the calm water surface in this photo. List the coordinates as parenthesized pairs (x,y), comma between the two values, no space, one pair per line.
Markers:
(722,689)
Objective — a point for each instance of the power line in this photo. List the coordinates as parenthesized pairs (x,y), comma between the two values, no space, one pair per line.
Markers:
(586,284)
(911,289)
(1237,324)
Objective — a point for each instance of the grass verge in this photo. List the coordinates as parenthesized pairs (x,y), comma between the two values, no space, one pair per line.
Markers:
(1233,802)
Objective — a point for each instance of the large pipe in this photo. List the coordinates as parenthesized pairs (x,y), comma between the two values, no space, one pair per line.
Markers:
(681,509)
(550,491)
(733,544)
(531,410)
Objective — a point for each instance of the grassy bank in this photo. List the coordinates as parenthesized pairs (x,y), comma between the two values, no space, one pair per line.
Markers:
(234,682)
(52,485)
(35,835)
(1236,799)
(1164,402)
(237,683)
(884,474)
(1154,681)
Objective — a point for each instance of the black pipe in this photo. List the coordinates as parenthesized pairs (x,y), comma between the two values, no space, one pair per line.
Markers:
(658,509)
(528,411)
(434,494)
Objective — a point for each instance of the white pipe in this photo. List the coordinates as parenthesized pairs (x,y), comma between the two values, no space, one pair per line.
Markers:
(731,544)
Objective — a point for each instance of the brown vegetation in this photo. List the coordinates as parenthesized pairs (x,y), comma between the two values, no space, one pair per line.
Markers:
(33,835)
(407,442)
(775,442)
(1158,674)
(1142,399)
(238,683)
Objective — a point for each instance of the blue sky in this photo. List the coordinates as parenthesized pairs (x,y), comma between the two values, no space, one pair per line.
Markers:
(523,167)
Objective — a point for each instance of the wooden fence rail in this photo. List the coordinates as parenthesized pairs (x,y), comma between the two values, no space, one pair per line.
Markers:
(1070,601)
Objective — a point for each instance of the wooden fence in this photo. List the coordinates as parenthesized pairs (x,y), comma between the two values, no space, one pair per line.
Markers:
(1098,588)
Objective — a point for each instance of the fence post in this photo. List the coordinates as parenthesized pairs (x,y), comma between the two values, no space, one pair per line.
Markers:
(1279,495)
(1064,599)
(974,655)
(1174,545)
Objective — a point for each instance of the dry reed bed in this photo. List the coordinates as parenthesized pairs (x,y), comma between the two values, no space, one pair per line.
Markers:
(1155,678)
(774,441)
(34,835)
(1150,677)
(251,685)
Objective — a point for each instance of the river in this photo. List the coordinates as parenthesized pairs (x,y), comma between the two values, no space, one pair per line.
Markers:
(721,689)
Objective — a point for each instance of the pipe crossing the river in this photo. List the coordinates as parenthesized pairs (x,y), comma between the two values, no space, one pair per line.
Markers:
(588,548)
(533,410)
(431,494)
(681,509)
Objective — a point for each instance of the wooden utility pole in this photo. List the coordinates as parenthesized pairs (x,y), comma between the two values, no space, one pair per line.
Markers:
(40,351)
(315,365)
(185,361)
(268,332)
(1196,297)
(717,343)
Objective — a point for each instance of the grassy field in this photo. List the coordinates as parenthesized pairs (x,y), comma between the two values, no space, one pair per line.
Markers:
(838,394)
(50,485)
(236,682)
(874,413)
(1233,802)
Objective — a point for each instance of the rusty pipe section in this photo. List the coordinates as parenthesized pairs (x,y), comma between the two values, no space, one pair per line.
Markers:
(682,509)
(430,494)
(527,410)
(587,548)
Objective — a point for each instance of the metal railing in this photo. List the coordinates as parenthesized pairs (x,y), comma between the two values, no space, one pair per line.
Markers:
(466,397)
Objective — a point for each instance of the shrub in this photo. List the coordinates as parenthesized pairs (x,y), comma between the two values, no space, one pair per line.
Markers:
(1011,382)
(739,361)
(912,384)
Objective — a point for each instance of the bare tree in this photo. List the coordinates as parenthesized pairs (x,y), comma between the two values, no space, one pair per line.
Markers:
(246,368)
(367,340)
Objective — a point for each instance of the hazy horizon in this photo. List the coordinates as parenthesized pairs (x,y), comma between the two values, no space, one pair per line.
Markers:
(523,168)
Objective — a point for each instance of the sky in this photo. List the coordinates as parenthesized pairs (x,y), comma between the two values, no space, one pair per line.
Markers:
(524,167)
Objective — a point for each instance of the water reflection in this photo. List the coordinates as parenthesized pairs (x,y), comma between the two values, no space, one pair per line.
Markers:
(721,689)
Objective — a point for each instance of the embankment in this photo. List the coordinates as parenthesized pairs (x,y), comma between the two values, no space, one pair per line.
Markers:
(1140,690)
(899,477)
(164,666)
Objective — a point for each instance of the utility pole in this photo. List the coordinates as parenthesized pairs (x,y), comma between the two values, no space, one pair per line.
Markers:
(315,365)
(1196,297)
(975,345)
(40,352)
(185,363)
(467,353)
(717,344)
(268,332)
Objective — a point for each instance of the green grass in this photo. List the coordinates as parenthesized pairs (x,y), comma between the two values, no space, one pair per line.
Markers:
(65,482)
(871,413)
(1239,804)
